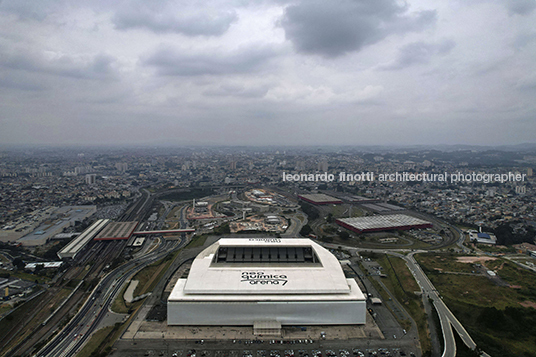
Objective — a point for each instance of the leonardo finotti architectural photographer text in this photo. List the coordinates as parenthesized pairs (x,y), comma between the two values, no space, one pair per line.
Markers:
(458,177)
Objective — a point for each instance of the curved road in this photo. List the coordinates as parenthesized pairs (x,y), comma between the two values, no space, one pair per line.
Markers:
(446,317)
(84,323)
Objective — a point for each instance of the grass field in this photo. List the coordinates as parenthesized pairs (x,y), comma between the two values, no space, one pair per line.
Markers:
(443,262)
(119,305)
(4,308)
(101,342)
(173,213)
(401,283)
(95,341)
(370,241)
(197,241)
(492,314)
(149,276)
(494,249)
(25,276)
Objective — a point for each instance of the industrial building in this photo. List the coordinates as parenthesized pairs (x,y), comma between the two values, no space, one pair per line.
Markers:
(359,199)
(77,244)
(266,283)
(45,265)
(46,227)
(482,237)
(382,223)
(320,199)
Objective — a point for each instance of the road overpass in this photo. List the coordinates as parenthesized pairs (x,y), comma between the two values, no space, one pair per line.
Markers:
(446,317)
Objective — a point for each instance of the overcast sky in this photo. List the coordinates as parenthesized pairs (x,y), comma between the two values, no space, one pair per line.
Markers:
(351,72)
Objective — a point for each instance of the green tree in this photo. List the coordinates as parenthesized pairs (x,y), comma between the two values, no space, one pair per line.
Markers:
(344,235)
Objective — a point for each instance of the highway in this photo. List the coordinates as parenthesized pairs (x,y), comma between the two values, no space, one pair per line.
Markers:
(85,322)
(446,317)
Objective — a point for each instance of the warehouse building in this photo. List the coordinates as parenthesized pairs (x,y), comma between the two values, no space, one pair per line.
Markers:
(382,223)
(482,237)
(266,283)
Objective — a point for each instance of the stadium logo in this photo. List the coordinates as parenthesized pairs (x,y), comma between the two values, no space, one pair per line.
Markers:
(266,240)
(259,277)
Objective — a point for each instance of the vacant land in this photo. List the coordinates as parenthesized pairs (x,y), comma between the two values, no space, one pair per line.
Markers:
(25,276)
(401,283)
(471,259)
(95,342)
(197,241)
(496,316)
(147,278)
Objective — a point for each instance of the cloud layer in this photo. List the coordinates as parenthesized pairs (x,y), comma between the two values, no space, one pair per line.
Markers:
(319,27)
(290,72)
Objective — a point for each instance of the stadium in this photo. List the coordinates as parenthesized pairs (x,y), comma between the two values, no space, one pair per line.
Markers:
(266,282)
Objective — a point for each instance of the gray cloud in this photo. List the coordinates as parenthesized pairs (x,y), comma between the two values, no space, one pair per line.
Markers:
(520,7)
(237,91)
(11,81)
(334,29)
(169,62)
(419,53)
(163,18)
(28,9)
(527,83)
(523,39)
(97,67)
(196,72)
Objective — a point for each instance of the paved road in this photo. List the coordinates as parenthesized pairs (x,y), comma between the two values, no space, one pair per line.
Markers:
(446,317)
(84,323)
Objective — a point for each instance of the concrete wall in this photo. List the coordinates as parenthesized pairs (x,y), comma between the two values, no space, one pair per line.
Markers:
(287,313)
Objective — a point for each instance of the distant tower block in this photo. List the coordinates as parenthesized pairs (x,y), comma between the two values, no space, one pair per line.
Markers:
(323,166)
(529,172)
(91,179)
(121,166)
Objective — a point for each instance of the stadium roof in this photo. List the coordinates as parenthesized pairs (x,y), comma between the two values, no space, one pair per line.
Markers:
(302,267)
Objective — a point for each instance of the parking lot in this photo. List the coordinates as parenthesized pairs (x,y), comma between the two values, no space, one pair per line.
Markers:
(268,348)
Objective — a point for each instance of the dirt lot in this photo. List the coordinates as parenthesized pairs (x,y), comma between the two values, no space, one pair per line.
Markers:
(471,260)
(528,304)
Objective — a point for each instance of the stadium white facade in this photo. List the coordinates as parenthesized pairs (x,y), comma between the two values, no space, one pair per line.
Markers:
(254,281)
